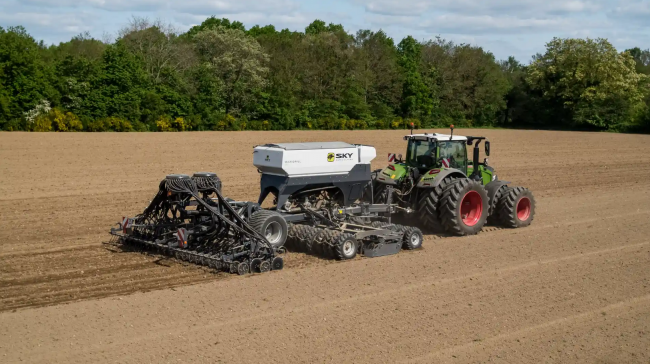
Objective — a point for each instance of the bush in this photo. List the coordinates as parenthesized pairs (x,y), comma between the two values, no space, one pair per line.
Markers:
(110,124)
(41,123)
(61,121)
(167,124)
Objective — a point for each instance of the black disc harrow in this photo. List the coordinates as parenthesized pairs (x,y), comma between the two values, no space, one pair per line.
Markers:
(190,220)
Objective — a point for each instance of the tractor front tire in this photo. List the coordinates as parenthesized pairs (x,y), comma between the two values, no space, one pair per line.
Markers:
(516,207)
(464,207)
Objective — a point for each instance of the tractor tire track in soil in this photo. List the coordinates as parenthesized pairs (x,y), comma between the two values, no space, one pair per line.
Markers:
(572,287)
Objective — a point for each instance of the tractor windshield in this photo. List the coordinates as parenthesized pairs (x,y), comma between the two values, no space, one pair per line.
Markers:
(421,153)
(453,154)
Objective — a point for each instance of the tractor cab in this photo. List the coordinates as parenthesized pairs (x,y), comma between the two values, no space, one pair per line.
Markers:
(428,154)
(429,151)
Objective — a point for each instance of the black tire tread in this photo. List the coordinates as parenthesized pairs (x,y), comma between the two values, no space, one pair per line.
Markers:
(408,233)
(507,205)
(449,207)
(338,246)
(428,206)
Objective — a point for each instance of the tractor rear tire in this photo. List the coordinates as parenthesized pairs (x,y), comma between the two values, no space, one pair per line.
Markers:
(493,217)
(271,225)
(516,207)
(412,238)
(464,207)
(345,246)
(428,206)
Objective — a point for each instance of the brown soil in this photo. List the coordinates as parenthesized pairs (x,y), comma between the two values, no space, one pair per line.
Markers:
(572,287)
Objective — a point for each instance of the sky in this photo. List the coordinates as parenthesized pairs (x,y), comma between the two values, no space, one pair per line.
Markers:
(517,28)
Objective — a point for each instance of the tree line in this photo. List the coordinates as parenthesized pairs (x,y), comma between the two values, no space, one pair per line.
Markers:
(221,76)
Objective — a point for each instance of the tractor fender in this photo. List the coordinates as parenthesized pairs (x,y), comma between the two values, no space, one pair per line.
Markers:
(434,182)
(493,187)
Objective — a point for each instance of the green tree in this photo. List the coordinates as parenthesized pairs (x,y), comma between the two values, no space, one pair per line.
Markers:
(24,77)
(417,99)
(318,26)
(238,61)
(118,89)
(377,73)
(642,59)
(587,82)
(213,23)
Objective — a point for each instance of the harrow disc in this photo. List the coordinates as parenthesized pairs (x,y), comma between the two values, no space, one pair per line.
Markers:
(243,268)
(255,265)
(278,263)
(265,267)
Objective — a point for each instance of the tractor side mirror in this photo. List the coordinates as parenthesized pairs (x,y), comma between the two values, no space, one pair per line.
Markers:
(399,157)
(487,148)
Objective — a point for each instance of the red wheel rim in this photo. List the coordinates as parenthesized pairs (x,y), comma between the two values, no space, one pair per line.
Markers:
(471,208)
(523,209)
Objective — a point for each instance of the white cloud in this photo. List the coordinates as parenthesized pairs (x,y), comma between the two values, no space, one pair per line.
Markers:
(491,7)
(632,10)
(234,7)
(110,5)
(192,7)
(68,22)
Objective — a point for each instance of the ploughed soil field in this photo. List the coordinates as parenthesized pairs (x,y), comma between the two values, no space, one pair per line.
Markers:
(573,287)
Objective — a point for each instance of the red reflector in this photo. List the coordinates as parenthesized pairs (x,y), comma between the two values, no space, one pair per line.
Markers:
(426,184)
(391,167)
(382,178)
(434,171)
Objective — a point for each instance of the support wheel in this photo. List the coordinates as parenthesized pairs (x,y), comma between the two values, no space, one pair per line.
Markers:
(265,266)
(412,238)
(277,264)
(463,207)
(516,208)
(243,268)
(271,225)
(255,265)
(345,247)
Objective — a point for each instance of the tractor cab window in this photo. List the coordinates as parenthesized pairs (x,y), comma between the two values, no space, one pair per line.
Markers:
(453,154)
(421,154)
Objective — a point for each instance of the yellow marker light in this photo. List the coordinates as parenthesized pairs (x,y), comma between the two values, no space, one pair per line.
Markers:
(392,177)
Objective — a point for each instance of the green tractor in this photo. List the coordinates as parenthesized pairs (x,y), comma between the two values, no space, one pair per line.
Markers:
(448,191)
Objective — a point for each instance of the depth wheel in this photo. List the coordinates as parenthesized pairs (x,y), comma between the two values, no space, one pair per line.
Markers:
(345,247)
(464,207)
(412,238)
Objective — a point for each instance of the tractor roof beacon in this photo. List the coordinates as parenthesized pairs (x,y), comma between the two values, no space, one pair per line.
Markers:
(448,190)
